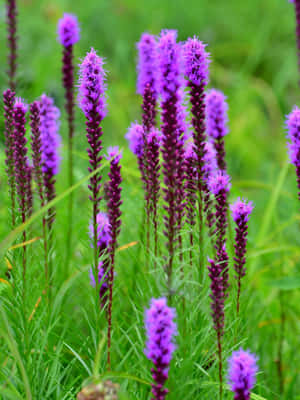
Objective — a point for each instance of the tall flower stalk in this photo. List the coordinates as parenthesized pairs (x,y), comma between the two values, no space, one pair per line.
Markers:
(216,122)
(21,173)
(36,145)
(242,373)
(293,135)
(240,213)
(92,102)
(196,62)
(160,330)
(218,268)
(170,62)
(50,142)
(11,20)
(8,101)
(68,35)
(210,168)
(114,217)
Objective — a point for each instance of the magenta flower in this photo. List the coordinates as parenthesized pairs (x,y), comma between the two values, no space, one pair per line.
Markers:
(160,346)
(147,82)
(114,216)
(216,123)
(68,30)
(209,169)
(170,70)
(293,130)
(240,213)
(11,20)
(8,101)
(50,143)
(103,234)
(242,370)
(134,136)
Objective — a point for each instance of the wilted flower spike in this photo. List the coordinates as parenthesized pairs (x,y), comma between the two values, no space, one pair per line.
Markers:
(216,123)
(293,135)
(160,331)
(242,373)
(240,213)
(68,30)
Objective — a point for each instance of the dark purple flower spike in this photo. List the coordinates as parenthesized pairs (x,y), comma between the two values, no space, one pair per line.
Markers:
(216,123)
(219,185)
(11,20)
(293,130)
(114,217)
(242,370)
(36,145)
(8,101)
(240,213)
(50,142)
(170,69)
(196,62)
(92,102)
(210,168)
(21,171)
(160,330)
(153,176)
(147,83)
(68,35)
(103,266)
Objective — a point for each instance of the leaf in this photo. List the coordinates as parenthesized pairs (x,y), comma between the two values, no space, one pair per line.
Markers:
(286,283)
(16,246)
(126,246)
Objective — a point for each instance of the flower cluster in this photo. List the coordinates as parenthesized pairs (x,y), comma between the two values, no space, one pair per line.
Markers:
(293,130)
(160,331)
(68,30)
(242,373)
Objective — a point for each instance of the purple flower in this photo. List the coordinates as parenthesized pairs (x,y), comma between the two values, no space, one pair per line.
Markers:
(240,213)
(160,346)
(11,20)
(135,136)
(170,70)
(196,61)
(114,216)
(92,86)
(68,30)
(220,182)
(210,161)
(102,281)
(242,373)
(8,101)
(103,234)
(51,140)
(113,153)
(293,135)
(147,64)
(216,123)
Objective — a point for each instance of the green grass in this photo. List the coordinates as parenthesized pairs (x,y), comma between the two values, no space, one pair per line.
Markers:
(51,355)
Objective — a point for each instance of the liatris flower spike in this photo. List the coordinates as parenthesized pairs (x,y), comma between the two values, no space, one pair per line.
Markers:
(135,137)
(293,129)
(170,71)
(51,140)
(68,35)
(240,213)
(153,175)
(196,63)
(242,373)
(114,216)
(210,168)
(11,20)
(147,82)
(8,101)
(92,102)
(216,123)
(160,330)
(21,171)
(103,266)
